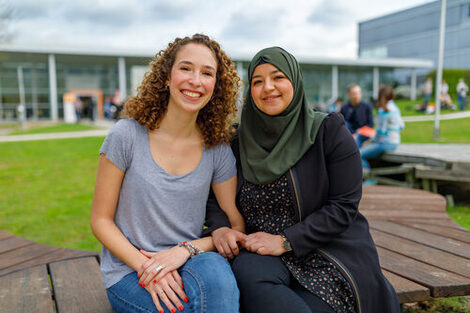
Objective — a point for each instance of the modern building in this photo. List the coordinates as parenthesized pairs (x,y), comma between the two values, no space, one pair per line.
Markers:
(414,33)
(46,81)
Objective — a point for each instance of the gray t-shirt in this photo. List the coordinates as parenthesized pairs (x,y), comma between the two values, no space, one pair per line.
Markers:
(156,210)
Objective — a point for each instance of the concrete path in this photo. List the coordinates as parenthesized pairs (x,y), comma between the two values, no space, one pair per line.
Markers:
(106,125)
(446,152)
(77,134)
(430,117)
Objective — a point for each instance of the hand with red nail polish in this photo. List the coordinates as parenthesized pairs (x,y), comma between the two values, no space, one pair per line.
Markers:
(168,291)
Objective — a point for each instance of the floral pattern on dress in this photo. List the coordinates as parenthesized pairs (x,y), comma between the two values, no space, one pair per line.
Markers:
(269,208)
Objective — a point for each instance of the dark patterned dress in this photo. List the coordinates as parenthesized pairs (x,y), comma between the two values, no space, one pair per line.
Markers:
(269,208)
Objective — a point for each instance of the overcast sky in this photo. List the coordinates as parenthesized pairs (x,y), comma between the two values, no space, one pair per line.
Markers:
(320,28)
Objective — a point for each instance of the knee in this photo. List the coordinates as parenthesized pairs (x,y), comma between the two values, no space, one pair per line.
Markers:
(212,272)
(253,270)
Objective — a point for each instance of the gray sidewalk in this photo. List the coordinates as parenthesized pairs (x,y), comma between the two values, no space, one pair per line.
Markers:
(104,126)
(78,134)
(430,117)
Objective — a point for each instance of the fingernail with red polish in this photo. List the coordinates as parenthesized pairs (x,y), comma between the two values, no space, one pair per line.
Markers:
(182,286)
(143,285)
(154,281)
(140,284)
(173,310)
(185,300)
(181,308)
(161,311)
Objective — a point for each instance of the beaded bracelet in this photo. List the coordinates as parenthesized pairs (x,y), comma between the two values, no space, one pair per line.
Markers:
(193,250)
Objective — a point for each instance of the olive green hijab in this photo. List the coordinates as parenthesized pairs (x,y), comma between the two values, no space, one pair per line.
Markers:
(271,145)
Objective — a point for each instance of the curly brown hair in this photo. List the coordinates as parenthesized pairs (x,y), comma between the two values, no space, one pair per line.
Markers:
(215,119)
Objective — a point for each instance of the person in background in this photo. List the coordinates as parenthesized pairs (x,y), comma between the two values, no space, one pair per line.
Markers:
(78,106)
(307,248)
(107,105)
(357,113)
(389,125)
(462,90)
(336,105)
(444,97)
(427,90)
(155,171)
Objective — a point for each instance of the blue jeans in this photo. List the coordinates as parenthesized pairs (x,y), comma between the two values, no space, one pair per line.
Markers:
(373,150)
(462,101)
(360,140)
(208,282)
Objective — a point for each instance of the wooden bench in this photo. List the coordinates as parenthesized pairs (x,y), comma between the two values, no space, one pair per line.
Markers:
(40,278)
(423,166)
(422,251)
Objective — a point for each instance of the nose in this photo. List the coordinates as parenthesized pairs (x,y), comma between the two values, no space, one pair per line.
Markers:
(269,85)
(195,79)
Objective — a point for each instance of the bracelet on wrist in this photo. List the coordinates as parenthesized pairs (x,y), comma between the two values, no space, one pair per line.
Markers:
(192,249)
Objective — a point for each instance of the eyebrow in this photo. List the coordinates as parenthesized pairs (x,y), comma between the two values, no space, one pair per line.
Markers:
(273,72)
(191,63)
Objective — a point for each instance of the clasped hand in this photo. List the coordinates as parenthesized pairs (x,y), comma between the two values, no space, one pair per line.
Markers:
(227,242)
(159,276)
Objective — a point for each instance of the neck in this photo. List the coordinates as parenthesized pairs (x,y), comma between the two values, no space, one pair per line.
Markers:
(178,123)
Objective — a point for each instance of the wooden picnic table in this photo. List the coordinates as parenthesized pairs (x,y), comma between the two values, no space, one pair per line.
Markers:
(422,252)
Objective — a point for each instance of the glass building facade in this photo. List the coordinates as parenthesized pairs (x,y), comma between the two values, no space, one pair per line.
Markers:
(414,33)
(41,80)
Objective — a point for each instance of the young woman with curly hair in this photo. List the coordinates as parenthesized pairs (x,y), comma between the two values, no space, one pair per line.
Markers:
(154,175)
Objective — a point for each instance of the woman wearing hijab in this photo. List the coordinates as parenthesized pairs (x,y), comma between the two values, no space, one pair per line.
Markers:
(307,247)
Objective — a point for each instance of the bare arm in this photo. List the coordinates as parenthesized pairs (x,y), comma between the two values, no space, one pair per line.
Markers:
(225,193)
(225,239)
(105,198)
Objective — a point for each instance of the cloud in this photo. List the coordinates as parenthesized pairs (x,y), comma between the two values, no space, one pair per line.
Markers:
(309,27)
(329,14)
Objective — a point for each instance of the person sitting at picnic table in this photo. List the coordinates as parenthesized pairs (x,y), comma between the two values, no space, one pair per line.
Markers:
(389,125)
(154,175)
(307,248)
(357,113)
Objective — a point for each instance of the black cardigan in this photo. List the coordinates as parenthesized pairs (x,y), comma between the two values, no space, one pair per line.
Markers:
(326,185)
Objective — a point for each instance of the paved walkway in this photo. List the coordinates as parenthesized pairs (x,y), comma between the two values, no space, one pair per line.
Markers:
(106,125)
(430,117)
(77,134)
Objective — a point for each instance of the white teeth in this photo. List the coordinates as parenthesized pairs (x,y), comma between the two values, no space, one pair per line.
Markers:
(192,94)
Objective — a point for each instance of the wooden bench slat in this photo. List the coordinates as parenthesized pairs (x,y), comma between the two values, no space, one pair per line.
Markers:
(24,254)
(400,207)
(461,235)
(407,290)
(447,222)
(59,254)
(439,242)
(4,234)
(26,291)
(392,214)
(440,282)
(76,282)
(432,256)
(12,243)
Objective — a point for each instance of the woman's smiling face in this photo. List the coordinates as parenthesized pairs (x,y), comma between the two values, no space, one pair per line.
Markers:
(271,90)
(193,77)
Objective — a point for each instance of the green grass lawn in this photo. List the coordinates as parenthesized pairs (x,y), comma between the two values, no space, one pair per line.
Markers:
(451,131)
(46,189)
(54,129)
